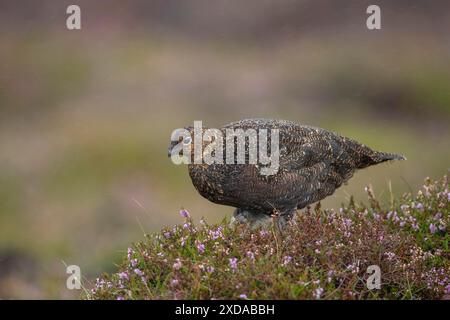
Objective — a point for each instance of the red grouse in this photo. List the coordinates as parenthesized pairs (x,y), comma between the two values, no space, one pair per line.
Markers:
(313,163)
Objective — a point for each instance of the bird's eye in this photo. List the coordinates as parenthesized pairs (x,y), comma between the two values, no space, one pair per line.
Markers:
(187,140)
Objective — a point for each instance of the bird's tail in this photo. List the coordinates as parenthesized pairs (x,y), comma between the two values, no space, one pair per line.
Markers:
(363,156)
(378,157)
(384,156)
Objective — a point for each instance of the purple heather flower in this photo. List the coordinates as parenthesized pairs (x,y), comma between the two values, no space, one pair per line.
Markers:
(390,255)
(318,293)
(263,233)
(243,296)
(233,263)
(123,276)
(419,206)
(210,269)
(348,222)
(167,235)
(216,233)
(134,262)
(201,247)
(447,288)
(177,265)
(99,282)
(120,298)
(174,282)
(437,216)
(286,260)
(250,255)
(184,213)
(330,275)
(433,228)
(138,272)
(129,253)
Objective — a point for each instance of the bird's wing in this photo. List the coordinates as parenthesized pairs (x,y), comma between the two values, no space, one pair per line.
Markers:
(317,162)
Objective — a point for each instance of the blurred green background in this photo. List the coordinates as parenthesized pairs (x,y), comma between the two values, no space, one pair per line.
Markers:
(86,116)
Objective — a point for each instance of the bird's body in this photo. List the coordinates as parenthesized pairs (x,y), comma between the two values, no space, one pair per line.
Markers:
(313,163)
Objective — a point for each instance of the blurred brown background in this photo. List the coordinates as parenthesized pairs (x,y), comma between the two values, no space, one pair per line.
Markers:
(86,116)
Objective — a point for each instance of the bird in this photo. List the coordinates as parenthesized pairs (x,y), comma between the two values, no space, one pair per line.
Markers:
(313,163)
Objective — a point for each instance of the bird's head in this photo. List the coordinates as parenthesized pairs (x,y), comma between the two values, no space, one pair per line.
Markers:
(187,141)
(181,139)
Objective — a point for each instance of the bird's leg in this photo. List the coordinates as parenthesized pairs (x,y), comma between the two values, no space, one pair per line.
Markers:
(289,214)
(253,219)
(256,220)
(282,218)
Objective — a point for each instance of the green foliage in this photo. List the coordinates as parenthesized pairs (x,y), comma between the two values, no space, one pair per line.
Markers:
(321,254)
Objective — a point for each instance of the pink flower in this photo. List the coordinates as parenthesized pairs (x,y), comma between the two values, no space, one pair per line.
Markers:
(250,255)
(216,233)
(243,296)
(138,272)
(447,288)
(123,276)
(129,253)
(201,248)
(286,260)
(184,213)
(177,265)
(433,228)
(419,206)
(318,293)
(233,263)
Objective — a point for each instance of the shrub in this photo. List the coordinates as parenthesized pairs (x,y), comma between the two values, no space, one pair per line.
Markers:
(320,254)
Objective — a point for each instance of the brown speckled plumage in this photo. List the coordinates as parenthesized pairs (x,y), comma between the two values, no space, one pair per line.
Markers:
(313,163)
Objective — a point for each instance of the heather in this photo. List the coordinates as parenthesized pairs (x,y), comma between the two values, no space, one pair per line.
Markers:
(321,254)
